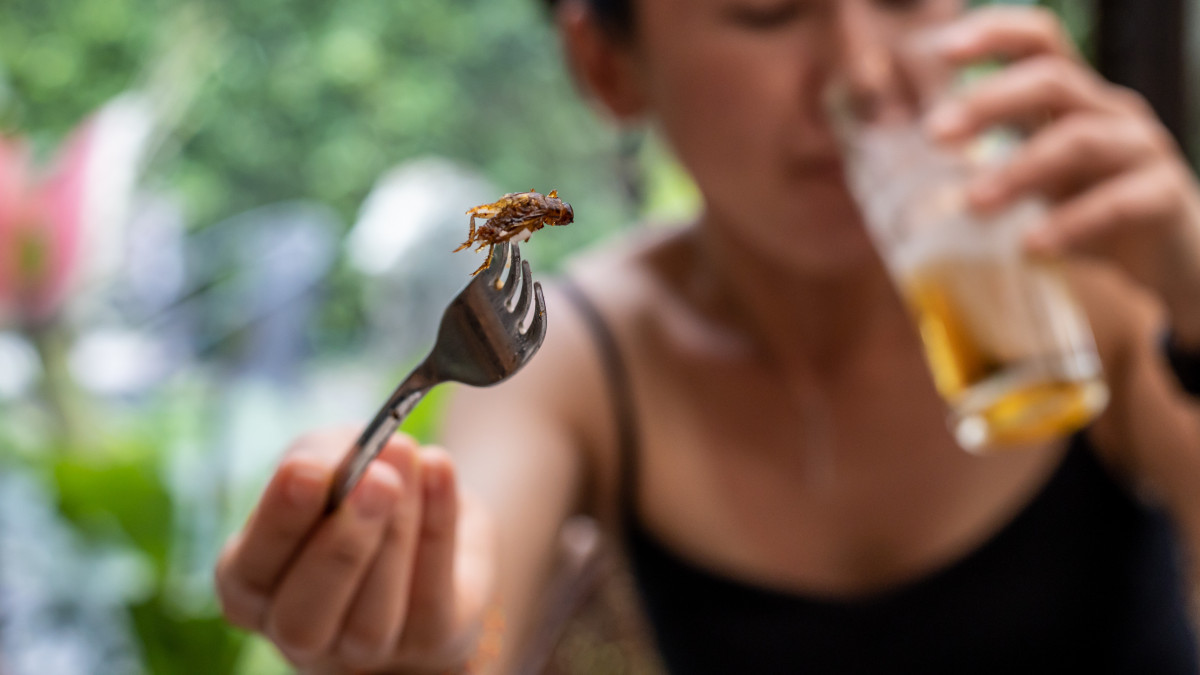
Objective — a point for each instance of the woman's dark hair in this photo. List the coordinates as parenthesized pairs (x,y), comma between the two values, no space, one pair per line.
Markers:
(616,15)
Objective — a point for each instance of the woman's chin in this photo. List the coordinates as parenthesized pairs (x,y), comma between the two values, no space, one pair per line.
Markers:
(813,245)
(805,249)
(827,254)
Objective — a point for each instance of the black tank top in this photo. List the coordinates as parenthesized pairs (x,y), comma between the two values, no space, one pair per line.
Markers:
(1085,578)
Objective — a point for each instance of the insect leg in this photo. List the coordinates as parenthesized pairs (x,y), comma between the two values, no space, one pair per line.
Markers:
(470,235)
(491,250)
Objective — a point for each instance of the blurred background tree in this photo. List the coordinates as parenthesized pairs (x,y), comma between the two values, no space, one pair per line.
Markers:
(317,99)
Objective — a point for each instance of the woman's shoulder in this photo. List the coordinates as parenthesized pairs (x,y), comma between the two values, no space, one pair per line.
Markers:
(625,276)
(604,289)
(600,307)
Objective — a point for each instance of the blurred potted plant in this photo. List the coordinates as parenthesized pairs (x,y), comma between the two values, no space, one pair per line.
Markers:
(40,230)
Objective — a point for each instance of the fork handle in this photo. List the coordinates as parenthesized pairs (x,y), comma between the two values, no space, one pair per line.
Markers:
(375,436)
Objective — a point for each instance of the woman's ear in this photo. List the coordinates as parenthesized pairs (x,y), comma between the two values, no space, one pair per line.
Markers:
(602,64)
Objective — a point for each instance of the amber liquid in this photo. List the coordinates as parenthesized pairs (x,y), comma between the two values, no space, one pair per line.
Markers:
(1010,352)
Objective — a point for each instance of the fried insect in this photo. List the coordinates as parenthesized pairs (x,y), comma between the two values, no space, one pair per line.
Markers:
(515,215)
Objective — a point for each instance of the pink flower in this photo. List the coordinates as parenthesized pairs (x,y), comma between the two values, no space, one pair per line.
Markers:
(41,223)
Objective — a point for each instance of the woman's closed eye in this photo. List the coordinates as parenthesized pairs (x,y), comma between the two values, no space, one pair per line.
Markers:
(764,16)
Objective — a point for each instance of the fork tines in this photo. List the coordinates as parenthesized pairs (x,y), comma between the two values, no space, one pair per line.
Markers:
(519,285)
(536,330)
(514,270)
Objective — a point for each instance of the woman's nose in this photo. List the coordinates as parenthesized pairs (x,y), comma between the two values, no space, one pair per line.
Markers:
(865,50)
(866,62)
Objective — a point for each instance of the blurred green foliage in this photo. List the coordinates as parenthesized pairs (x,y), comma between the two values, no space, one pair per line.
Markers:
(316,99)
(126,500)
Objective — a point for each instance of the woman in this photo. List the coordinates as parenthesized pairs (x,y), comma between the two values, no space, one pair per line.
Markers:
(744,405)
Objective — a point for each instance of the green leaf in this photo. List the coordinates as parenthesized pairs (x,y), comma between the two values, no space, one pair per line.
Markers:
(97,492)
(422,424)
(175,645)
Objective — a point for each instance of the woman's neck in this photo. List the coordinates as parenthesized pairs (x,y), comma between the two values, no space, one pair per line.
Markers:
(810,319)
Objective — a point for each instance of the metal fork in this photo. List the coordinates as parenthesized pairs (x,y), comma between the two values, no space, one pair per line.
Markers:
(480,342)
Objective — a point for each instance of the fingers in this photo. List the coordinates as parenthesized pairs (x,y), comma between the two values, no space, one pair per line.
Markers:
(373,584)
(310,602)
(255,560)
(1005,32)
(435,558)
(376,618)
(1068,156)
(1146,198)
(1027,94)
(1048,80)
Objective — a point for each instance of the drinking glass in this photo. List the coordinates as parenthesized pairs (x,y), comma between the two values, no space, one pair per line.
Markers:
(1009,347)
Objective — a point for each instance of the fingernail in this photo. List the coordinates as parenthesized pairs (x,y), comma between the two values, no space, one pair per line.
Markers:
(409,465)
(947,121)
(435,479)
(248,609)
(1040,242)
(305,484)
(986,192)
(300,656)
(952,40)
(356,651)
(376,499)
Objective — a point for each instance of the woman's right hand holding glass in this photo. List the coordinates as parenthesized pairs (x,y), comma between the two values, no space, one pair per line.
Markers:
(396,580)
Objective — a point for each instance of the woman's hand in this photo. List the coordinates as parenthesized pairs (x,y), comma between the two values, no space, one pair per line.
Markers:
(394,581)
(1117,184)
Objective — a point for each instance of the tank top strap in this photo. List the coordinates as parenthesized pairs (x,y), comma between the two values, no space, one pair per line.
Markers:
(621,391)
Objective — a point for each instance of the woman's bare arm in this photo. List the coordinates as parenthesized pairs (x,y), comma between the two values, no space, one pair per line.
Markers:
(522,449)
(1151,430)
